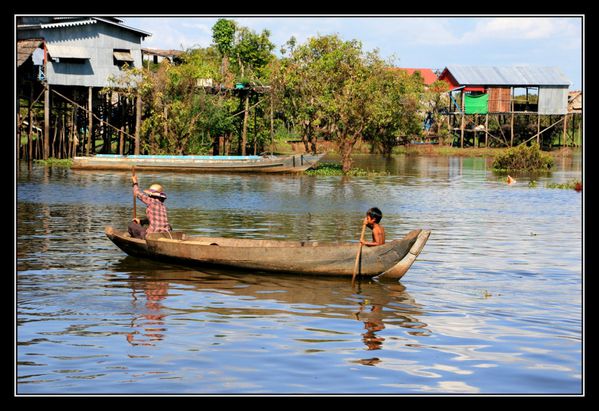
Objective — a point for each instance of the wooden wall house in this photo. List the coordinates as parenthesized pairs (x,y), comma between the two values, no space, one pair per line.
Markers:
(479,94)
(62,65)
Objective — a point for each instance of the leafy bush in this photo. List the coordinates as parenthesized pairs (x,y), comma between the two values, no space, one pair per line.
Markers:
(570,185)
(523,158)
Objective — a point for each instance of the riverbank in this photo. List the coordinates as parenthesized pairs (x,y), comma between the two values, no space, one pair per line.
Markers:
(415,150)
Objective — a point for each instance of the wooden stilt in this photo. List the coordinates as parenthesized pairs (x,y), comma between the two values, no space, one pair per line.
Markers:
(89,121)
(565,129)
(46,121)
(20,154)
(137,122)
(462,124)
(512,130)
(487,130)
(30,126)
(539,129)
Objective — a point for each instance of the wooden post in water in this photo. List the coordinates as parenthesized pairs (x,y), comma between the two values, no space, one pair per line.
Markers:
(46,121)
(18,137)
(89,121)
(30,126)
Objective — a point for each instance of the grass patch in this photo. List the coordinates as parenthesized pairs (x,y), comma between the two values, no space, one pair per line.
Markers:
(58,162)
(336,169)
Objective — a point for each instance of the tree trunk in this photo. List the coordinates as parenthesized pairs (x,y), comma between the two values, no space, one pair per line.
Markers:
(307,131)
(313,141)
(245,124)
(346,149)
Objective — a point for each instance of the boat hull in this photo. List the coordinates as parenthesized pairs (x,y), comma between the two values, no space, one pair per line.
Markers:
(237,164)
(392,259)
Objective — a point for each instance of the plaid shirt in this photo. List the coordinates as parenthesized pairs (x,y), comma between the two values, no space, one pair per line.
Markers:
(156,212)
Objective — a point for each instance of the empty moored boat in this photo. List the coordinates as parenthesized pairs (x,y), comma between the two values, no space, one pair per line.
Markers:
(254,164)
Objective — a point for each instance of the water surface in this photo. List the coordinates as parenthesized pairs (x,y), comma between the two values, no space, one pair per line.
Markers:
(493,304)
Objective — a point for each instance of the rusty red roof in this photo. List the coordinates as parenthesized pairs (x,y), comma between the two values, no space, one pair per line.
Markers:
(427,74)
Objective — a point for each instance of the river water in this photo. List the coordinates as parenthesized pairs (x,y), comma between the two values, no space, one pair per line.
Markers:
(493,304)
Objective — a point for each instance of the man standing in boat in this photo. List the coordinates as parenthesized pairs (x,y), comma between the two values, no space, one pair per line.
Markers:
(156,215)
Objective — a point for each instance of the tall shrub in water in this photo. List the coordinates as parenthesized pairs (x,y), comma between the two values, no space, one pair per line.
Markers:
(523,158)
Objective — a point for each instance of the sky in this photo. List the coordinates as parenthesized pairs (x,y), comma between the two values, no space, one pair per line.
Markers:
(409,41)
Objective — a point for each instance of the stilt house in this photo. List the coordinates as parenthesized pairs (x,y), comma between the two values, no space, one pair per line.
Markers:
(492,90)
(69,60)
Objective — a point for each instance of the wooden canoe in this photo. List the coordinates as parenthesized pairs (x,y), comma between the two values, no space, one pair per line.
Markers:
(391,260)
(235,164)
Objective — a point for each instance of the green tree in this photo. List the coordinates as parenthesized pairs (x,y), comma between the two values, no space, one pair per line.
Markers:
(250,53)
(223,35)
(396,99)
(333,85)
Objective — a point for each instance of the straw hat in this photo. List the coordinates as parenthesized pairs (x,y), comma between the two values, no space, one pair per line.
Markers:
(155,190)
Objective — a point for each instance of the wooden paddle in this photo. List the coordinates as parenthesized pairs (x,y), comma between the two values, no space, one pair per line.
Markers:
(134,197)
(357,263)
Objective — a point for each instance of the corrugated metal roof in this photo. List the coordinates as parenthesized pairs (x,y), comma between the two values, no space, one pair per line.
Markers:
(59,22)
(68,23)
(509,76)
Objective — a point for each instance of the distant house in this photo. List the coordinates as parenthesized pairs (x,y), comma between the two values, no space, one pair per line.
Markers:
(156,56)
(77,51)
(428,75)
(575,101)
(491,89)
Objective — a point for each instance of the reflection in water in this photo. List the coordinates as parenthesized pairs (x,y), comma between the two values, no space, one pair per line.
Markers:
(387,301)
(150,321)
(333,298)
(373,322)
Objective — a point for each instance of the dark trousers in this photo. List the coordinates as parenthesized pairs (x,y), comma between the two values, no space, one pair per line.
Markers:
(137,230)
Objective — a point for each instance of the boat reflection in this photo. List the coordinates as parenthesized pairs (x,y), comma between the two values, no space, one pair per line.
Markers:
(371,303)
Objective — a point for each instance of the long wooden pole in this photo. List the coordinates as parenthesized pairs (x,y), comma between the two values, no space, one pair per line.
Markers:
(137,123)
(134,197)
(357,263)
